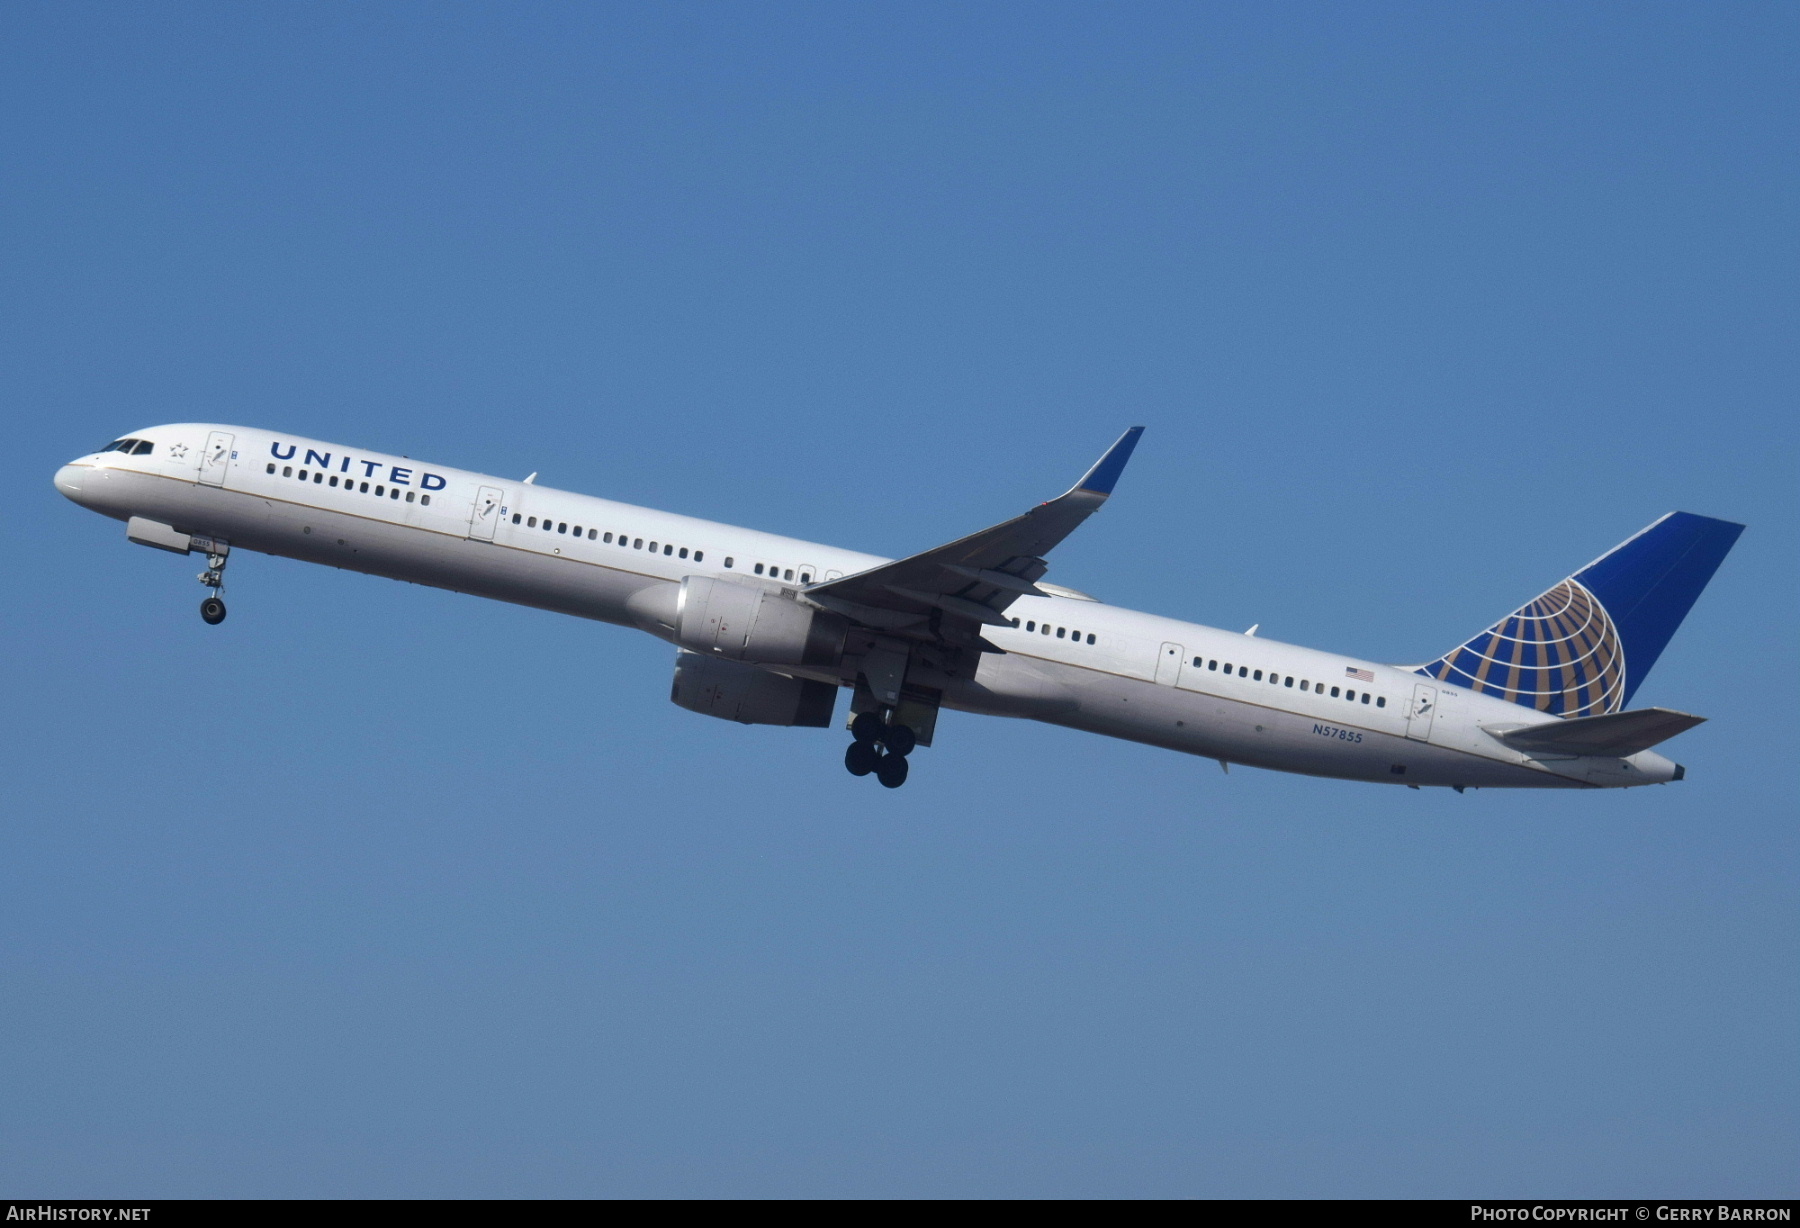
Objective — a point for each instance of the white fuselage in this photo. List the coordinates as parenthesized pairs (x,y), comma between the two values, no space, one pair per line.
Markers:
(1146,678)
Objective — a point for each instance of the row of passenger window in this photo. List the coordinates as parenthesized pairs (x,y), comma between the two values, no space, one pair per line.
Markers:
(1244,671)
(563,527)
(776,572)
(381,489)
(1061,632)
(624,541)
(627,542)
(130,447)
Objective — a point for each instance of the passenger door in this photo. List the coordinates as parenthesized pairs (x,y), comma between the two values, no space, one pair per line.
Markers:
(1168,664)
(1422,712)
(484,517)
(216,458)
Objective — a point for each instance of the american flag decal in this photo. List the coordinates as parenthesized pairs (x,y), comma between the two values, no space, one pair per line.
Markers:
(1361,675)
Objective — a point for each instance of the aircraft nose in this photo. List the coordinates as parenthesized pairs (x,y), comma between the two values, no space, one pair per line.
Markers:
(68,480)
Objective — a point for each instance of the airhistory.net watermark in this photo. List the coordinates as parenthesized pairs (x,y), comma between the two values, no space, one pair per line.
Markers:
(48,1213)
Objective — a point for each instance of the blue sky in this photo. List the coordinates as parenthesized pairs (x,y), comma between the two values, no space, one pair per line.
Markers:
(377,890)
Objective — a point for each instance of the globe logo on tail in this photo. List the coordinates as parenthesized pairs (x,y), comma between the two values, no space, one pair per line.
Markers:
(1559,654)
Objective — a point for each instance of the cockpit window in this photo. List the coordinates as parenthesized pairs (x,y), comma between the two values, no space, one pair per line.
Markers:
(143,448)
(119,445)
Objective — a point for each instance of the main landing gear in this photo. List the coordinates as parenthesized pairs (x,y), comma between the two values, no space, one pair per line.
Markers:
(867,754)
(212,610)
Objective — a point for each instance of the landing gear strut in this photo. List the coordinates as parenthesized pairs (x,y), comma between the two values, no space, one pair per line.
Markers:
(866,753)
(212,610)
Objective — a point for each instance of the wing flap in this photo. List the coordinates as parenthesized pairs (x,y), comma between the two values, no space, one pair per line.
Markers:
(954,605)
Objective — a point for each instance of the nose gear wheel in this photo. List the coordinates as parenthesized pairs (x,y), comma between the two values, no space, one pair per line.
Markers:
(212,610)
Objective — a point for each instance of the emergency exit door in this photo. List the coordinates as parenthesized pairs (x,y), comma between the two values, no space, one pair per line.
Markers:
(1168,664)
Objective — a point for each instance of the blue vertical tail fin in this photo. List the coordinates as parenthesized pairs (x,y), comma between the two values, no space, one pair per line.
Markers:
(1585,646)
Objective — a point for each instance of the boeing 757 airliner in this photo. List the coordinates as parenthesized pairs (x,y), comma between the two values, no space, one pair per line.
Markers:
(768,629)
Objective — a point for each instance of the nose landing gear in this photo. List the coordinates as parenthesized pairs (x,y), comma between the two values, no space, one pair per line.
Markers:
(212,610)
(866,755)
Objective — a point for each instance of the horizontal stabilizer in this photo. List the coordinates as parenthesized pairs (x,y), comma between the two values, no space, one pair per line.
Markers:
(1615,733)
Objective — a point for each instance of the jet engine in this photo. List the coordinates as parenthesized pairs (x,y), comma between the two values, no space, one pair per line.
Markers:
(743,622)
(733,691)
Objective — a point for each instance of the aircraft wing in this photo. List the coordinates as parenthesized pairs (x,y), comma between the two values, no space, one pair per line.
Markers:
(1612,733)
(952,591)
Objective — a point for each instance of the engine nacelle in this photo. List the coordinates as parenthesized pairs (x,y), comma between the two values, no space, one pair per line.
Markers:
(734,691)
(743,622)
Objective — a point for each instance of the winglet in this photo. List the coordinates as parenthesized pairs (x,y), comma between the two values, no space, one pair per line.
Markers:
(1101,479)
